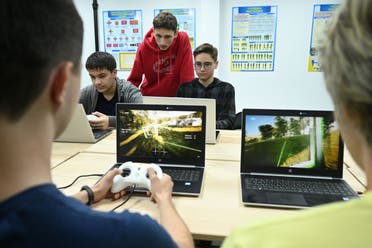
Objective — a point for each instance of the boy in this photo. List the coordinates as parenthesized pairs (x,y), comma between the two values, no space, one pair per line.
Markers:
(208,86)
(164,58)
(106,90)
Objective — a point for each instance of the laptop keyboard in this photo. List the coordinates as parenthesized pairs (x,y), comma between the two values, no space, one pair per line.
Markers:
(298,185)
(98,133)
(179,174)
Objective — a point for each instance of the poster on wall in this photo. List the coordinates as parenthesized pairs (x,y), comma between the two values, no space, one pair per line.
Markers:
(321,15)
(185,20)
(122,33)
(253,38)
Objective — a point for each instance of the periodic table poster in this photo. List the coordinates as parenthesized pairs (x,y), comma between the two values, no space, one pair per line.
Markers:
(122,33)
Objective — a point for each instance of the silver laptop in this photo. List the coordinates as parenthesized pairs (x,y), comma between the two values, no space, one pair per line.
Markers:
(291,158)
(172,136)
(79,130)
(210,103)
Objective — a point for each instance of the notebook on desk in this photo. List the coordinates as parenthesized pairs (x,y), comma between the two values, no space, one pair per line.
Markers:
(211,133)
(172,136)
(79,130)
(291,158)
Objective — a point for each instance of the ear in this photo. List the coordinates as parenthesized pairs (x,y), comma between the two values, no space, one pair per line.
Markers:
(115,72)
(58,81)
(175,34)
(216,65)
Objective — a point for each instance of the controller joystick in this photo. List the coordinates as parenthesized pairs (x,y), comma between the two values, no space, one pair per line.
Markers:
(134,174)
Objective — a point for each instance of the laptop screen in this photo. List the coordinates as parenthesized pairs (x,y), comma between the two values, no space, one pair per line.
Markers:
(210,104)
(291,142)
(167,134)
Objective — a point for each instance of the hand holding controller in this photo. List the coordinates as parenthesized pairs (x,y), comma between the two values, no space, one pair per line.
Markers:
(137,175)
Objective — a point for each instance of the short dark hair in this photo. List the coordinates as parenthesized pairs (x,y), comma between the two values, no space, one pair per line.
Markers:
(37,36)
(206,48)
(100,60)
(165,20)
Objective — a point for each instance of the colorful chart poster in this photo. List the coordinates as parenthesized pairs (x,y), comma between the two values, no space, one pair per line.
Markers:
(321,15)
(185,19)
(122,33)
(253,38)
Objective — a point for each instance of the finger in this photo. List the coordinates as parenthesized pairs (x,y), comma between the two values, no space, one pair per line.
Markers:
(150,171)
(117,196)
(165,175)
(117,171)
(95,121)
(166,178)
(152,174)
(99,114)
(112,173)
(96,125)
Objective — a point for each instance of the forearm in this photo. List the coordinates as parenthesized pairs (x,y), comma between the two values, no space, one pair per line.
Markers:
(225,120)
(224,124)
(135,77)
(81,196)
(226,116)
(88,195)
(173,223)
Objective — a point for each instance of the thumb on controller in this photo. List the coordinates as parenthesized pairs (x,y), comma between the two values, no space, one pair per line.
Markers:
(152,174)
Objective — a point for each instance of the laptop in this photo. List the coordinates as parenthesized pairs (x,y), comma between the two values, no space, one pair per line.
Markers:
(291,158)
(79,130)
(211,133)
(172,136)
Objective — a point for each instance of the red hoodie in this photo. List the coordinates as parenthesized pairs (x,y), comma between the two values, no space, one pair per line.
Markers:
(162,74)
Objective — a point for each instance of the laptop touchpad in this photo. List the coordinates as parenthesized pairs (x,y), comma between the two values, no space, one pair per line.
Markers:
(286,199)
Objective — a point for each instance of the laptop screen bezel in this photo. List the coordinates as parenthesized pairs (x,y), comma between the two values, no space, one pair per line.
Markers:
(288,170)
(210,104)
(135,106)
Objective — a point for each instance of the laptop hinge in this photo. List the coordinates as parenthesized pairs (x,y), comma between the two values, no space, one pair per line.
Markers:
(179,165)
(296,176)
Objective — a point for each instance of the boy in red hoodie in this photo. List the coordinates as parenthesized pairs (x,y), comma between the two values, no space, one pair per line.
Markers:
(164,57)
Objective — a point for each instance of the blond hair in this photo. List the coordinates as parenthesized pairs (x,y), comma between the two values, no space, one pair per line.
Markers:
(346,59)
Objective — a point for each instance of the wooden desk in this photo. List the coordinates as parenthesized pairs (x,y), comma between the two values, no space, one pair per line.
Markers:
(62,151)
(106,145)
(354,169)
(212,216)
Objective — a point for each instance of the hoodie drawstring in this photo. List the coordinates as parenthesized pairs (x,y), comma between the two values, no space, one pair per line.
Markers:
(158,68)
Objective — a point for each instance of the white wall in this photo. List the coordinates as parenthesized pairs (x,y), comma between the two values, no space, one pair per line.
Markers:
(288,86)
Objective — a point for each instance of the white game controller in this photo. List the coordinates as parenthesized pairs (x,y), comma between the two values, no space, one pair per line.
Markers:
(92,117)
(137,175)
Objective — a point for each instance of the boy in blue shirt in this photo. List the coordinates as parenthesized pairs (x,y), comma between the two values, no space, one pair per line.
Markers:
(43,68)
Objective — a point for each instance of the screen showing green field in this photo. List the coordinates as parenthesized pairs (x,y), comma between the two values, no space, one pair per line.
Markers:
(161,136)
(291,141)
